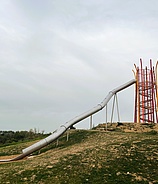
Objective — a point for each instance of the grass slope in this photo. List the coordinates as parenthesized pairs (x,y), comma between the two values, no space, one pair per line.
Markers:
(89,157)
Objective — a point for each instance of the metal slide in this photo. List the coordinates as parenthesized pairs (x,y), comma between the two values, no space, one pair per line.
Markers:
(55,135)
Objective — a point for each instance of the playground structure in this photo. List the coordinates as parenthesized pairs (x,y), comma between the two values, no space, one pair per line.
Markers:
(146,97)
(145,107)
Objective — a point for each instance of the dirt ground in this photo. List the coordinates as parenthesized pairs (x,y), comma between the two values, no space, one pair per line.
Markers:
(109,127)
(129,127)
(98,152)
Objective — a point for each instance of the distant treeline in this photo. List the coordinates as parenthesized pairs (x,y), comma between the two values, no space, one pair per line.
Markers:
(7,137)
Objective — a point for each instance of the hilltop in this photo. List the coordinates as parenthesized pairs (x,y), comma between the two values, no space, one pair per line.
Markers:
(128,127)
(89,156)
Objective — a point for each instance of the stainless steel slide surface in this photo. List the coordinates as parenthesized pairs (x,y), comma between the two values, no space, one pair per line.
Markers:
(56,134)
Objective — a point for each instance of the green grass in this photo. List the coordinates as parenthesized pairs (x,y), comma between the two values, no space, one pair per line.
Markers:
(15,147)
(101,157)
(74,137)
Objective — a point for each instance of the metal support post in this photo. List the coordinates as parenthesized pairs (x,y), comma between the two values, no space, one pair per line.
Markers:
(118,114)
(112,113)
(106,109)
(90,122)
(67,135)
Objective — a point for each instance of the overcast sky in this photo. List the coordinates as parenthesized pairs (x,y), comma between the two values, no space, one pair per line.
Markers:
(60,58)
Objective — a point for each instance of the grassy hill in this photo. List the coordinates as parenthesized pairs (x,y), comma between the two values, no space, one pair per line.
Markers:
(87,157)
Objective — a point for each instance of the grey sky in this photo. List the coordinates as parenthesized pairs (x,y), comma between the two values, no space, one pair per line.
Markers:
(60,58)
